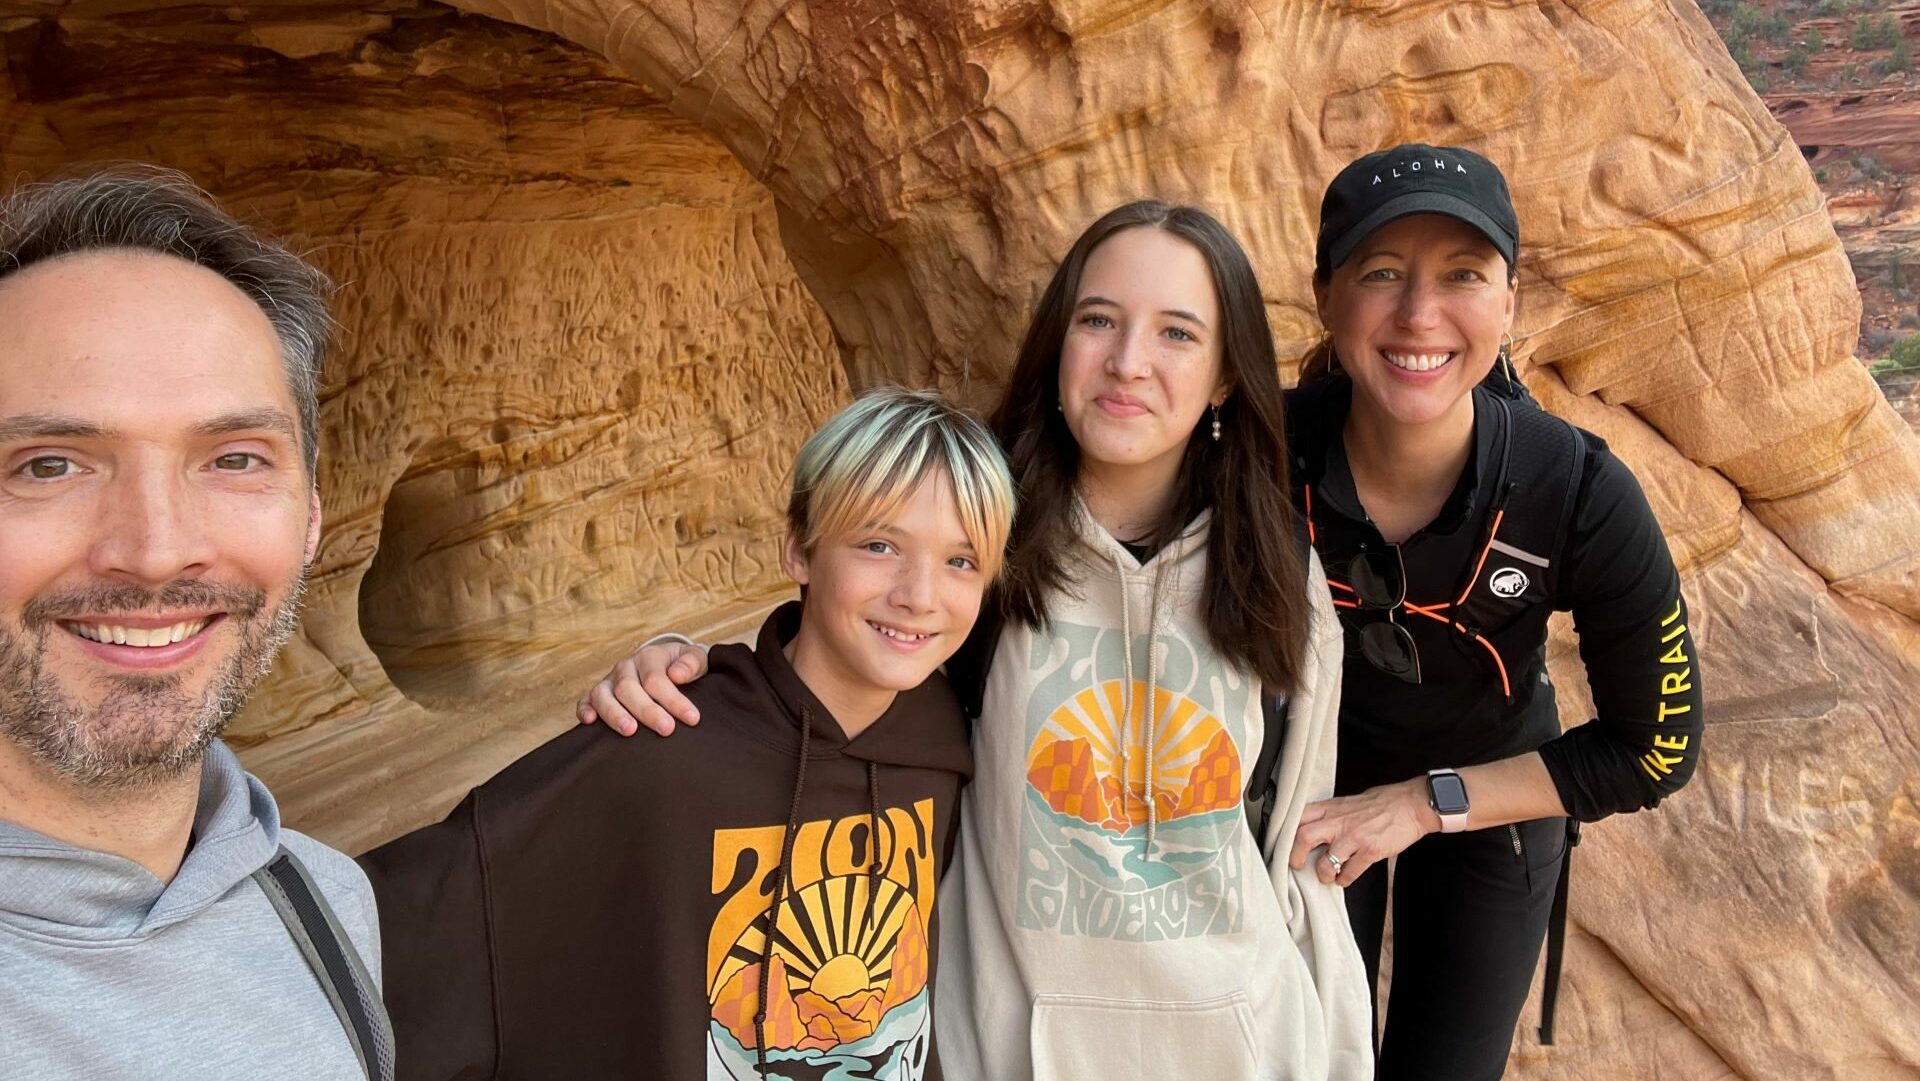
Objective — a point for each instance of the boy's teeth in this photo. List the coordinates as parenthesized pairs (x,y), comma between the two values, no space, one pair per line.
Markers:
(891,633)
(1418,362)
(138,636)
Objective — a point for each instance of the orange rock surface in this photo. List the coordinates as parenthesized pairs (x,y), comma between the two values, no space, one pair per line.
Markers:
(786,1024)
(604,264)
(1214,784)
(1063,772)
(909,964)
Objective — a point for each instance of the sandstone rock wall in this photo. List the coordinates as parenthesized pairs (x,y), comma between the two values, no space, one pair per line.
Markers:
(573,360)
(922,165)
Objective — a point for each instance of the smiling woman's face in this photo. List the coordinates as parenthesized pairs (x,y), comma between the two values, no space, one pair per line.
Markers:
(1141,361)
(1417,314)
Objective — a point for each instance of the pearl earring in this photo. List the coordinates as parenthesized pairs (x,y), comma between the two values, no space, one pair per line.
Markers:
(1216,424)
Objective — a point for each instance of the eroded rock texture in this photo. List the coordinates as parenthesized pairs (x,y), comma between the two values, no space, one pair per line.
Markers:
(574,361)
(577,357)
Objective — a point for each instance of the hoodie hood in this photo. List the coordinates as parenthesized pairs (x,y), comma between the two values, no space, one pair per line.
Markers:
(57,890)
(1106,557)
(896,738)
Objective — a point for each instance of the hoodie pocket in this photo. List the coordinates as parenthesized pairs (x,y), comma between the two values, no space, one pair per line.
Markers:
(1081,1038)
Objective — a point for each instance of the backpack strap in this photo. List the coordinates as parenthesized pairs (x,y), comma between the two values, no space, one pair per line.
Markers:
(1557,936)
(330,953)
(1548,459)
(1264,781)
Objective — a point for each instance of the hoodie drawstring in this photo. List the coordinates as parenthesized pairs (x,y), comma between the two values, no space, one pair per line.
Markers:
(780,889)
(1150,712)
(1126,688)
(1153,707)
(873,838)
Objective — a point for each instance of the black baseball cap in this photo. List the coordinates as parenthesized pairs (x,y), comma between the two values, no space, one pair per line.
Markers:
(1414,178)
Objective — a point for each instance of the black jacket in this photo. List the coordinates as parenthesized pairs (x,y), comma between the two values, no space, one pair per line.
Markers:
(1610,567)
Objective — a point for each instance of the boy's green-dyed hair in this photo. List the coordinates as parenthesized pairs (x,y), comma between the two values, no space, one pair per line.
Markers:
(870,457)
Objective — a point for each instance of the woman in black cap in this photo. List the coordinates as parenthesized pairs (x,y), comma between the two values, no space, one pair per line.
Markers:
(1453,515)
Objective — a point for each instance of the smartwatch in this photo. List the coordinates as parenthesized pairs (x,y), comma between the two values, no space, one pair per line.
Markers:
(1447,795)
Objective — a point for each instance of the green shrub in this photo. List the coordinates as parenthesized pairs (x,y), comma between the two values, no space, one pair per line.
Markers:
(1750,22)
(1835,7)
(1903,356)
(1867,167)
(1795,62)
(1898,60)
(1874,33)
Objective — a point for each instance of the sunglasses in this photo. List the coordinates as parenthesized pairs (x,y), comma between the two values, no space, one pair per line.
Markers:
(1379,581)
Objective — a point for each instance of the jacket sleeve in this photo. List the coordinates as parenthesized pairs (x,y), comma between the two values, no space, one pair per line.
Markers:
(1316,912)
(431,890)
(1618,579)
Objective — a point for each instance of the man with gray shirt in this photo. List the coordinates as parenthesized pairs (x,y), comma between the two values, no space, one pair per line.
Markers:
(158,512)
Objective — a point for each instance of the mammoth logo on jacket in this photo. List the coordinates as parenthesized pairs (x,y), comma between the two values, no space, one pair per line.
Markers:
(847,974)
(1088,866)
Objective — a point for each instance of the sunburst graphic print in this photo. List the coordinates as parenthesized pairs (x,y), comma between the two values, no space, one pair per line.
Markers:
(846,977)
(1122,837)
(1076,764)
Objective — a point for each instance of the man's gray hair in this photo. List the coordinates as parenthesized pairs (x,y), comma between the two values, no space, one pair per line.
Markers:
(148,208)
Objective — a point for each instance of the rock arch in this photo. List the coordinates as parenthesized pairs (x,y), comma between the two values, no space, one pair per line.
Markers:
(918,167)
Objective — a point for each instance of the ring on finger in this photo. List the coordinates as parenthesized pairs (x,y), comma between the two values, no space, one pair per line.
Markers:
(1334,861)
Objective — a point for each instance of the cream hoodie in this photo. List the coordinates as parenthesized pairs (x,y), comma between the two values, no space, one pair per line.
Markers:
(1113,916)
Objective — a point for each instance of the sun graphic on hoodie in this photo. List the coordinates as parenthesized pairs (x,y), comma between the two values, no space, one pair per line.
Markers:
(846,951)
(1078,765)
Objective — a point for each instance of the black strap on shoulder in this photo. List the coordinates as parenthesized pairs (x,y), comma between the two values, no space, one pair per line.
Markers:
(1547,457)
(337,965)
(1549,460)
(1264,781)
(1557,936)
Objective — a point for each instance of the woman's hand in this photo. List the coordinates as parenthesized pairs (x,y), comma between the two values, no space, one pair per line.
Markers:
(1361,830)
(644,689)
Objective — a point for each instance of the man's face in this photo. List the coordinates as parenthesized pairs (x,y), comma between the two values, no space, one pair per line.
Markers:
(155,515)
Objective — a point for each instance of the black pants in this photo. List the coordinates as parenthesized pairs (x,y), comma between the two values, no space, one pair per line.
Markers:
(1469,915)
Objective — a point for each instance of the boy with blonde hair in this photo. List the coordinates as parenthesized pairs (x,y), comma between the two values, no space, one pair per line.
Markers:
(755,899)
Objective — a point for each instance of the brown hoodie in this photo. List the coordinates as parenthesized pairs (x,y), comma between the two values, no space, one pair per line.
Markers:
(599,908)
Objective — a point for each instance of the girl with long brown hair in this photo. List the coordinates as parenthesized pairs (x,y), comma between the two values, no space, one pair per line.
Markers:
(1115,910)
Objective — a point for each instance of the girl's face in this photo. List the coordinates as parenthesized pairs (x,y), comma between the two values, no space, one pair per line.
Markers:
(1141,361)
(1417,314)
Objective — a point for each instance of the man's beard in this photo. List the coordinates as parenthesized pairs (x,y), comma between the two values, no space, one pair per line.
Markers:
(145,729)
